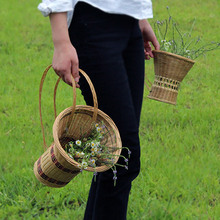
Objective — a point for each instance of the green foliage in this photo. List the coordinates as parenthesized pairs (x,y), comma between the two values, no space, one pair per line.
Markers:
(173,40)
(179,178)
(92,150)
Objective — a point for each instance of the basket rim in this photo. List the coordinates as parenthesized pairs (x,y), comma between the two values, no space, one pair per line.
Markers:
(91,109)
(174,55)
(161,100)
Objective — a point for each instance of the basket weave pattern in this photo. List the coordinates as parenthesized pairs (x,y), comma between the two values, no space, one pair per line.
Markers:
(84,114)
(170,69)
(49,170)
(55,168)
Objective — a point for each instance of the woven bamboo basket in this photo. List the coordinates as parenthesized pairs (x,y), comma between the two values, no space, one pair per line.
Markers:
(55,168)
(170,69)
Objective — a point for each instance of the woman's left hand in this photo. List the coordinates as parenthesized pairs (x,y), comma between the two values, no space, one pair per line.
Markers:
(148,37)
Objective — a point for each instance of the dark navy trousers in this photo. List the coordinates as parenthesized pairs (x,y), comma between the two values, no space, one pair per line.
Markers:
(110,50)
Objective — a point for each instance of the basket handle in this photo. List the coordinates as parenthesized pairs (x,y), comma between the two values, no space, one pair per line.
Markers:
(149,82)
(74,98)
(148,87)
(95,102)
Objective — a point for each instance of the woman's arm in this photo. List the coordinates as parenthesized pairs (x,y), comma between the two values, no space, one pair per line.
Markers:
(148,36)
(65,59)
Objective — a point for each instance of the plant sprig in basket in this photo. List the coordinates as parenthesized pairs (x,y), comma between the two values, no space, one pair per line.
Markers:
(173,40)
(92,151)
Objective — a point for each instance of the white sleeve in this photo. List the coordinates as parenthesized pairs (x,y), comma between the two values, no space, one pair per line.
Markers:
(50,6)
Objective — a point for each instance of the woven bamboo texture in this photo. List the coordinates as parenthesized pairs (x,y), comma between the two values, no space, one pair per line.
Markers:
(55,168)
(170,69)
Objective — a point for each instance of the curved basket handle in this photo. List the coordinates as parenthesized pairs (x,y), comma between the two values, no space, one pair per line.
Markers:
(54,97)
(95,102)
(74,98)
(148,87)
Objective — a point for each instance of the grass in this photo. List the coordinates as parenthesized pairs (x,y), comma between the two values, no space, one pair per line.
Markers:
(180,144)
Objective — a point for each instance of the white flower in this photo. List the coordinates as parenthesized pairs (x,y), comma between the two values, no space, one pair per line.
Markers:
(94,149)
(166,45)
(163,41)
(78,142)
(92,162)
(79,165)
(71,144)
(84,165)
(77,154)
(92,144)
(93,153)
(96,125)
(98,129)
(87,144)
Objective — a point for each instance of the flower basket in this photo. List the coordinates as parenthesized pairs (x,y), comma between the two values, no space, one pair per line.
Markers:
(170,69)
(55,168)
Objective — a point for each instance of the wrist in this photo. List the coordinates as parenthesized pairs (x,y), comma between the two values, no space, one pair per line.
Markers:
(60,43)
(143,24)
(60,35)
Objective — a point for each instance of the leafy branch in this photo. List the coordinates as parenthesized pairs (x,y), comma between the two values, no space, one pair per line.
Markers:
(172,40)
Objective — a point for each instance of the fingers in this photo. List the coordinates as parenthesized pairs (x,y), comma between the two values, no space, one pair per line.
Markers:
(148,37)
(67,79)
(148,51)
(66,74)
(75,73)
(146,55)
(65,63)
(156,44)
(63,73)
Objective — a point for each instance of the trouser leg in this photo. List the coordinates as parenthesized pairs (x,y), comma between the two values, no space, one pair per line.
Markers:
(113,58)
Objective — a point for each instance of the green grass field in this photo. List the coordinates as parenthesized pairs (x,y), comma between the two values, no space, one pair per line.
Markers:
(180,173)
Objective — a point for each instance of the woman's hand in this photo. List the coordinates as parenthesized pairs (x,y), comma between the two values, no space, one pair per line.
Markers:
(65,60)
(148,36)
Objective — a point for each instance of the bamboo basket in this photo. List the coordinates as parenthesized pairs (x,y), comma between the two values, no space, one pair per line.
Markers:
(55,168)
(170,69)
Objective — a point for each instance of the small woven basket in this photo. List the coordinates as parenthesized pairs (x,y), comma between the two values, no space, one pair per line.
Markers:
(170,69)
(55,168)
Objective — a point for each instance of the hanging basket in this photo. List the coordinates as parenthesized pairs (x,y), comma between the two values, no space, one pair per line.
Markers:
(170,69)
(55,168)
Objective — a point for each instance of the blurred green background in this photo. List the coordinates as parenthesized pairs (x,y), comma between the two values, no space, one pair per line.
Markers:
(180,144)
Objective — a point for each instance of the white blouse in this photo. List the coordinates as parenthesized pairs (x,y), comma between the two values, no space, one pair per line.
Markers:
(139,9)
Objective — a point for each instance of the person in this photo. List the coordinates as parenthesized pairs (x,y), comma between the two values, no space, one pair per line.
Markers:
(109,41)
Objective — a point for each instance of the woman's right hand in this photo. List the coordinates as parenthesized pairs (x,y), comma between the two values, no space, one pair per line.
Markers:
(65,60)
